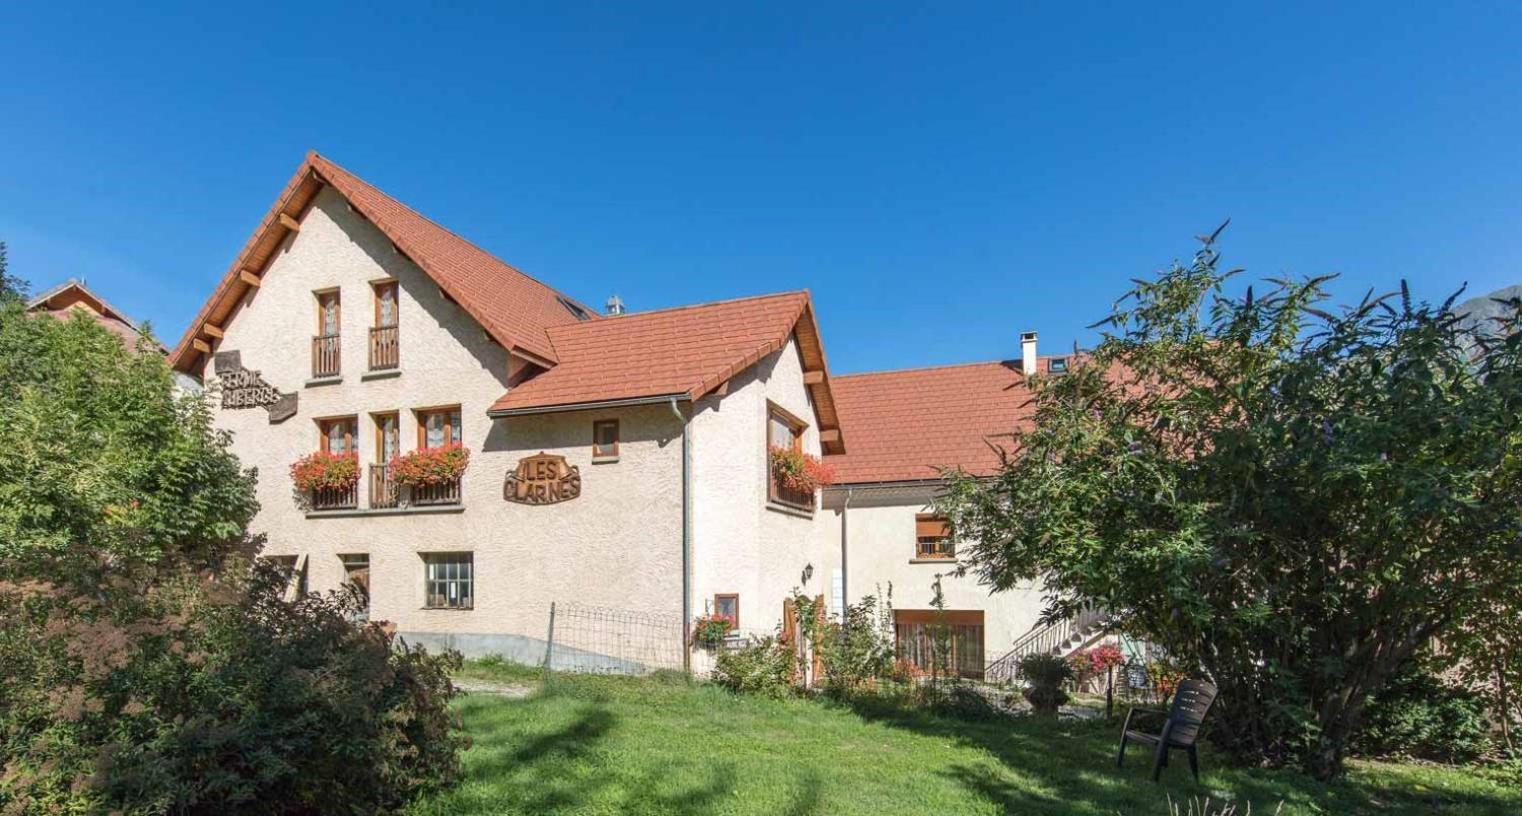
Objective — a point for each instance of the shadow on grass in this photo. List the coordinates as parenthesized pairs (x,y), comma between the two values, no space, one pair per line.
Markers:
(1063,766)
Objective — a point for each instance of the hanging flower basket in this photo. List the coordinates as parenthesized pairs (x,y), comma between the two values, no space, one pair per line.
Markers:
(430,466)
(325,471)
(798,471)
(708,632)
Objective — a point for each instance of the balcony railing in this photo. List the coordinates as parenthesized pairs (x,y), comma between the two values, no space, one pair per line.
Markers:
(384,492)
(325,355)
(441,493)
(384,351)
(336,498)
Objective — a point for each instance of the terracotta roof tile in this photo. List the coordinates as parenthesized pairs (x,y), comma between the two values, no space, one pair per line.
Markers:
(904,425)
(686,351)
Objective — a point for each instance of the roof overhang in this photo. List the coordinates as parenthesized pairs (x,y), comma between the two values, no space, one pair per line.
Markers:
(498,413)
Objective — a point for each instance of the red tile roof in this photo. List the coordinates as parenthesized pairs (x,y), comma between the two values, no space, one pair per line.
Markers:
(513,307)
(687,351)
(903,425)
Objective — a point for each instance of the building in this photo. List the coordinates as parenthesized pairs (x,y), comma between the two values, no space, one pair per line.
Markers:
(616,461)
(72,297)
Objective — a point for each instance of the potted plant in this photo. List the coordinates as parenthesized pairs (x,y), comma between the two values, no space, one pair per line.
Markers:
(799,472)
(708,632)
(1045,675)
(430,466)
(325,471)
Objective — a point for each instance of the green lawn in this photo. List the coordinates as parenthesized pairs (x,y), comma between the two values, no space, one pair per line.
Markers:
(617,745)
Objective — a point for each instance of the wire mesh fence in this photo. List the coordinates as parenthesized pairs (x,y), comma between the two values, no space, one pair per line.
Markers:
(599,640)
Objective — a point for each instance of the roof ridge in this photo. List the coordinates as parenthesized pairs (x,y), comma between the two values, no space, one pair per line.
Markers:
(472,244)
(706,304)
(912,369)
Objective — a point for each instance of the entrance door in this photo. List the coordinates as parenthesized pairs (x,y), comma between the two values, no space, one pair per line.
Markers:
(921,633)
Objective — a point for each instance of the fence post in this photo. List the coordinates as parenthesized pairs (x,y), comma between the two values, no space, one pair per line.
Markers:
(549,645)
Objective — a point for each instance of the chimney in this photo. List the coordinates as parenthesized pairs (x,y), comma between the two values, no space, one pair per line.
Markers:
(615,306)
(1028,352)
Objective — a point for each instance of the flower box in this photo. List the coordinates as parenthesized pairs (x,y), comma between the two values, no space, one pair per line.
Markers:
(799,472)
(325,471)
(430,467)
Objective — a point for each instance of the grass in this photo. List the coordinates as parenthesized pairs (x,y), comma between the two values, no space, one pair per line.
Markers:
(594,745)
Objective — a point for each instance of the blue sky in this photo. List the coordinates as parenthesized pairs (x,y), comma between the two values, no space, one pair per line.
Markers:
(940,176)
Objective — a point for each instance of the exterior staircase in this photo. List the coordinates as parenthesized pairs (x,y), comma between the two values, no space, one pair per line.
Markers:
(1060,638)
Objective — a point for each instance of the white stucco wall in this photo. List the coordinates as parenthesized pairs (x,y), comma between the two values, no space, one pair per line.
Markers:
(618,545)
(743,543)
(880,535)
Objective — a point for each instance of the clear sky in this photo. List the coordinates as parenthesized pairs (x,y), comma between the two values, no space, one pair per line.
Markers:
(941,176)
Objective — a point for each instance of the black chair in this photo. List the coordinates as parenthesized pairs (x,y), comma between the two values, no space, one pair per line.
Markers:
(1191,702)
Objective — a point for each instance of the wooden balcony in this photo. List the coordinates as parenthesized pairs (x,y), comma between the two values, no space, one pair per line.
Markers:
(385,353)
(384,492)
(442,493)
(325,356)
(336,498)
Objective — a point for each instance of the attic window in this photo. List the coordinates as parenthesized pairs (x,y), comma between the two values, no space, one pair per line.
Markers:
(580,313)
(1057,365)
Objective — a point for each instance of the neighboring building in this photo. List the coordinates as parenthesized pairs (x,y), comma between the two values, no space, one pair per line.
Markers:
(71,297)
(616,461)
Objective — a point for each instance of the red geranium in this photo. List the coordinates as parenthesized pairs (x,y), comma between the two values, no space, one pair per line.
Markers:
(798,471)
(323,471)
(430,466)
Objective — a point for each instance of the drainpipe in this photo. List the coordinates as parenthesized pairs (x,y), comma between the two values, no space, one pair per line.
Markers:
(845,572)
(686,542)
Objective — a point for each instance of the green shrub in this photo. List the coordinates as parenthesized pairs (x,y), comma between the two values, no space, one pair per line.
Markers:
(1417,715)
(764,668)
(198,695)
(861,648)
(1045,675)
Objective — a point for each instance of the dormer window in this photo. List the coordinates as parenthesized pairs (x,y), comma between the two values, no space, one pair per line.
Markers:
(573,308)
(1057,365)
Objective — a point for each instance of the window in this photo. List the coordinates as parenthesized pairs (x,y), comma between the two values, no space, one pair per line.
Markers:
(437,427)
(783,430)
(932,538)
(336,435)
(921,633)
(293,568)
(357,575)
(1057,365)
(327,313)
(572,307)
(605,440)
(728,608)
(388,437)
(385,304)
(448,581)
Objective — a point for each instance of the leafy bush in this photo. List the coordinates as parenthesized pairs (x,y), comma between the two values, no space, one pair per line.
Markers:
(321,470)
(860,649)
(764,668)
(1417,715)
(1045,675)
(193,694)
(430,466)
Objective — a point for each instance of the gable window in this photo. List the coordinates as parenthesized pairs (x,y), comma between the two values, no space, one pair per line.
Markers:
(437,427)
(449,580)
(336,435)
(932,538)
(605,440)
(357,575)
(784,431)
(384,351)
(325,344)
(727,606)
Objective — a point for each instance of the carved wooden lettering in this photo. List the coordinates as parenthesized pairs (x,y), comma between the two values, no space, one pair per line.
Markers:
(242,388)
(542,479)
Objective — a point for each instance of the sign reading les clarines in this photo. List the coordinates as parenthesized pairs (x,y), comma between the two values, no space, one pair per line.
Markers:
(242,388)
(542,479)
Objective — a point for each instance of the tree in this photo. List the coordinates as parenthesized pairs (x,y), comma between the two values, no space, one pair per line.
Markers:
(146,664)
(1292,500)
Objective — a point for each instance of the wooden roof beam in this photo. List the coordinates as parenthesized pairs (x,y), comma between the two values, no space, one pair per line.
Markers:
(813,377)
(290,223)
(248,277)
(212,331)
(201,345)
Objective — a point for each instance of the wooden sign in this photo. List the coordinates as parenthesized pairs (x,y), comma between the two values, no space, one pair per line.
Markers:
(243,388)
(543,478)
